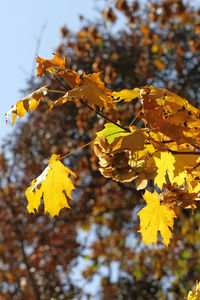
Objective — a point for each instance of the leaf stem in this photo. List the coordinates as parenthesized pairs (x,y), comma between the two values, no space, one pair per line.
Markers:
(56,91)
(58,79)
(68,154)
(136,116)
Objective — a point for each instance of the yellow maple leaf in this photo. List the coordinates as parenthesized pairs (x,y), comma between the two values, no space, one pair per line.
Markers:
(127,95)
(30,102)
(92,89)
(165,164)
(156,217)
(54,185)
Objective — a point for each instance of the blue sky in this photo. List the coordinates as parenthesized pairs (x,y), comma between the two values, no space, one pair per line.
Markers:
(21,23)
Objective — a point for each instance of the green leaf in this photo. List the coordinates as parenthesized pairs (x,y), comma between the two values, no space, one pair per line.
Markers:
(111,131)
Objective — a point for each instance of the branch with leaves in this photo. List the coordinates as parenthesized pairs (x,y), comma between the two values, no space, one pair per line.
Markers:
(164,150)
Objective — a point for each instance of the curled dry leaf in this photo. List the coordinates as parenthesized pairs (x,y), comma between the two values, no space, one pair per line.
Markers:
(54,185)
(30,102)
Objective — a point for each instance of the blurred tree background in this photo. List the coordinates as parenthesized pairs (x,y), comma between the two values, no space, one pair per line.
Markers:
(93,251)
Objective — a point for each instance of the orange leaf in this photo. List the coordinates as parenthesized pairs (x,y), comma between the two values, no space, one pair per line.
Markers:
(71,77)
(44,64)
(92,89)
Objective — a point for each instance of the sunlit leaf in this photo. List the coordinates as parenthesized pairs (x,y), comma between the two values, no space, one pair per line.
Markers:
(165,167)
(53,185)
(93,90)
(30,102)
(156,217)
(126,95)
(44,64)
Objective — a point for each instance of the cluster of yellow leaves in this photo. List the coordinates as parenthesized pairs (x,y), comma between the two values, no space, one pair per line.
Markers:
(165,151)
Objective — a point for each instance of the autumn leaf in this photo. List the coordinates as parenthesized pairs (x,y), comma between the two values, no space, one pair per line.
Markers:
(93,90)
(71,77)
(44,64)
(111,132)
(176,194)
(165,167)
(135,140)
(54,185)
(171,115)
(30,102)
(156,217)
(126,95)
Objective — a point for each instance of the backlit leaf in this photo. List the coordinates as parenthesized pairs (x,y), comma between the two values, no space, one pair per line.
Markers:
(54,185)
(71,77)
(44,64)
(126,95)
(93,90)
(111,132)
(165,164)
(30,102)
(156,217)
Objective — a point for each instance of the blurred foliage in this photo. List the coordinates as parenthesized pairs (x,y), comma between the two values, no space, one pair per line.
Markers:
(94,250)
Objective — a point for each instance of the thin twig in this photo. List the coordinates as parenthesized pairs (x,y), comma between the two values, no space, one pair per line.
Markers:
(76,150)
(105,117)
(134,118)
(56,91)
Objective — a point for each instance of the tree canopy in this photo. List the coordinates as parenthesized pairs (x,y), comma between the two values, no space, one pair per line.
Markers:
(97,238)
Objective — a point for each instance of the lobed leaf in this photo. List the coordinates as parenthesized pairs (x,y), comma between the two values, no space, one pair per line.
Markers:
(165,167)
(93,90)
(156,217)
(53,185)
